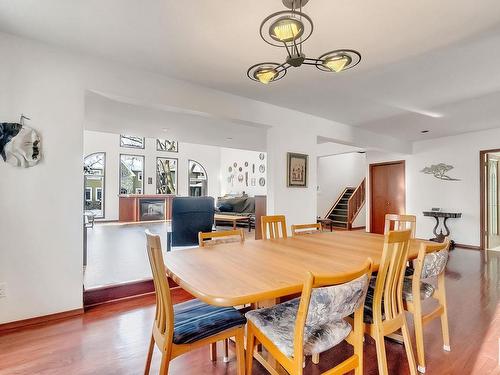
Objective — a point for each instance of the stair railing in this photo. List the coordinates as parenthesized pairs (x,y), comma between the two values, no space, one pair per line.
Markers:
(355,203)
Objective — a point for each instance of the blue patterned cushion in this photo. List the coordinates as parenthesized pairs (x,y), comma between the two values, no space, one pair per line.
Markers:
(195,320)
(325,326)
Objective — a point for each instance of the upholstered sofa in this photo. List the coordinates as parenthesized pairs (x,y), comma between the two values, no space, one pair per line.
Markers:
(237,205)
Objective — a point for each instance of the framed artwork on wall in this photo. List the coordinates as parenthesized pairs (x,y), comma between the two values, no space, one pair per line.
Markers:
(130,141)
(296,170)
(167,145)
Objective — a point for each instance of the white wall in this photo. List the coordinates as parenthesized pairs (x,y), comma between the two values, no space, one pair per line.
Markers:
(41,207)
(228,157)
(297,204)
(208,156)
(335,173)
(424,191)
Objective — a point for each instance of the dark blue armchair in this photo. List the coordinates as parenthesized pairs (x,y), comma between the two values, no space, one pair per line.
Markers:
(190,215)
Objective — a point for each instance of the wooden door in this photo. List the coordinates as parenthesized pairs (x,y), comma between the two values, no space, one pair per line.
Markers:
(387,186)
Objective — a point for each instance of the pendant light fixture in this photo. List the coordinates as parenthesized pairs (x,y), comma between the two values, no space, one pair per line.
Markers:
(289,29)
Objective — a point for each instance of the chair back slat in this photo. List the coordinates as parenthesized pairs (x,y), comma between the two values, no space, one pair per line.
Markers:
(214,238)
(273,224)
(301,229)
(389,284)
(400,222)
(164,316)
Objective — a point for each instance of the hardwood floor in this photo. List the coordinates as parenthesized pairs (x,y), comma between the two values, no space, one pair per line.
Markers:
(112,339)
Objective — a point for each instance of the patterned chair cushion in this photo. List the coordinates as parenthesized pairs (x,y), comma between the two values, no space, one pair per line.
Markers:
(368,310)
(324,326)
(195,320)
(434,264)
(426,289)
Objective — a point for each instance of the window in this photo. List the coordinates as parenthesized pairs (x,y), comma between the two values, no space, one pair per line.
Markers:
(167,145)
(131,172)
(88,194)
(98,194)
(130,141)
(94,166)
(198,179)
(166,176)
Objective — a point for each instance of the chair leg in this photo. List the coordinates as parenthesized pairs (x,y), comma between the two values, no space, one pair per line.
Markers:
(419,338)
(165,361)
(315,358)
(358,350)
(381,357)
(408,348)
(240,351)
(225,344)
(444,315)
(149,355)
(250,348)
(213,351)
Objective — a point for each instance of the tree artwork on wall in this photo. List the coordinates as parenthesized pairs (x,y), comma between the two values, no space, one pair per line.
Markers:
(439,171)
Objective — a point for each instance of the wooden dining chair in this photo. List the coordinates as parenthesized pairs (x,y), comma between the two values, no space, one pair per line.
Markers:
(431,263)
(300,229)
(313,323)
(211,239)
(384,309)
(196,324)
(400,222)
(214,238)
(273,223)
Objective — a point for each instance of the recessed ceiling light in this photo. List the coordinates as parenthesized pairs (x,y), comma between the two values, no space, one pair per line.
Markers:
(424,131)
(229,139)
(165,129)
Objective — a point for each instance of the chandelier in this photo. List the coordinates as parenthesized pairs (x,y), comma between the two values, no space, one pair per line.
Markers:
(289,29)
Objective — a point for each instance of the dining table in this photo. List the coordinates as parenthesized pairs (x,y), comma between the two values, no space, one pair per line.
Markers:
(260,272)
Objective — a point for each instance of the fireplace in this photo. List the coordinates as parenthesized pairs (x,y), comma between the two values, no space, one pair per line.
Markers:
(151,209)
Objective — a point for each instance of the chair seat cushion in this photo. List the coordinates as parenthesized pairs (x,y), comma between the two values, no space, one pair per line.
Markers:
(278,324)
(426,289)
(195,320)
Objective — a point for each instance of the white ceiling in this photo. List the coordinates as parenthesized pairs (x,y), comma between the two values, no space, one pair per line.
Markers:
(420,58)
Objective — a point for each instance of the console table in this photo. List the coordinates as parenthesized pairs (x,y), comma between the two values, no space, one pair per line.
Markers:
(445,216)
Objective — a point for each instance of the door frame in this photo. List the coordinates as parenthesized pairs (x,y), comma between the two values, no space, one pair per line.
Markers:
(482,197)
(403,162)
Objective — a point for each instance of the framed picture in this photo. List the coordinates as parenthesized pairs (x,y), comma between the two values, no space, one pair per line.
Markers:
(296,170)
(130,141)
(167,145)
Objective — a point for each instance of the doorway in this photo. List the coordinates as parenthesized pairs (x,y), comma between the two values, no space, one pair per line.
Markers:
(387,192)
(490,210)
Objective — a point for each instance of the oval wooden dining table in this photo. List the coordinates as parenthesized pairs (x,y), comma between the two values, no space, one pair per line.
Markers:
(233,274)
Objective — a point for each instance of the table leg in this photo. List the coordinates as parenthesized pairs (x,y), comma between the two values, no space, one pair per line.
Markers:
(234,224)
(436,226)
(249,224)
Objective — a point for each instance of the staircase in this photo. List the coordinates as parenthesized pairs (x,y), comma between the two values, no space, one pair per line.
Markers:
(347,207)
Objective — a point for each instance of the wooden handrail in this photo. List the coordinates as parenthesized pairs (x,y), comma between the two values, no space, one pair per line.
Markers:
(355,203)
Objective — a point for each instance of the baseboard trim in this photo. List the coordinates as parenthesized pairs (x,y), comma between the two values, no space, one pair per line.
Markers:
(18,324)
(358,228)
(106,294)
(467,247)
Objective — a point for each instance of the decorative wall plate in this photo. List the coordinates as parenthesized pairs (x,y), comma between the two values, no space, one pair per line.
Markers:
(252,181)
(262,181)
(235,164)
(240,169)
(230,169)
(253,168)
(240,178)
(262,168)
(246,164)
(261,156)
